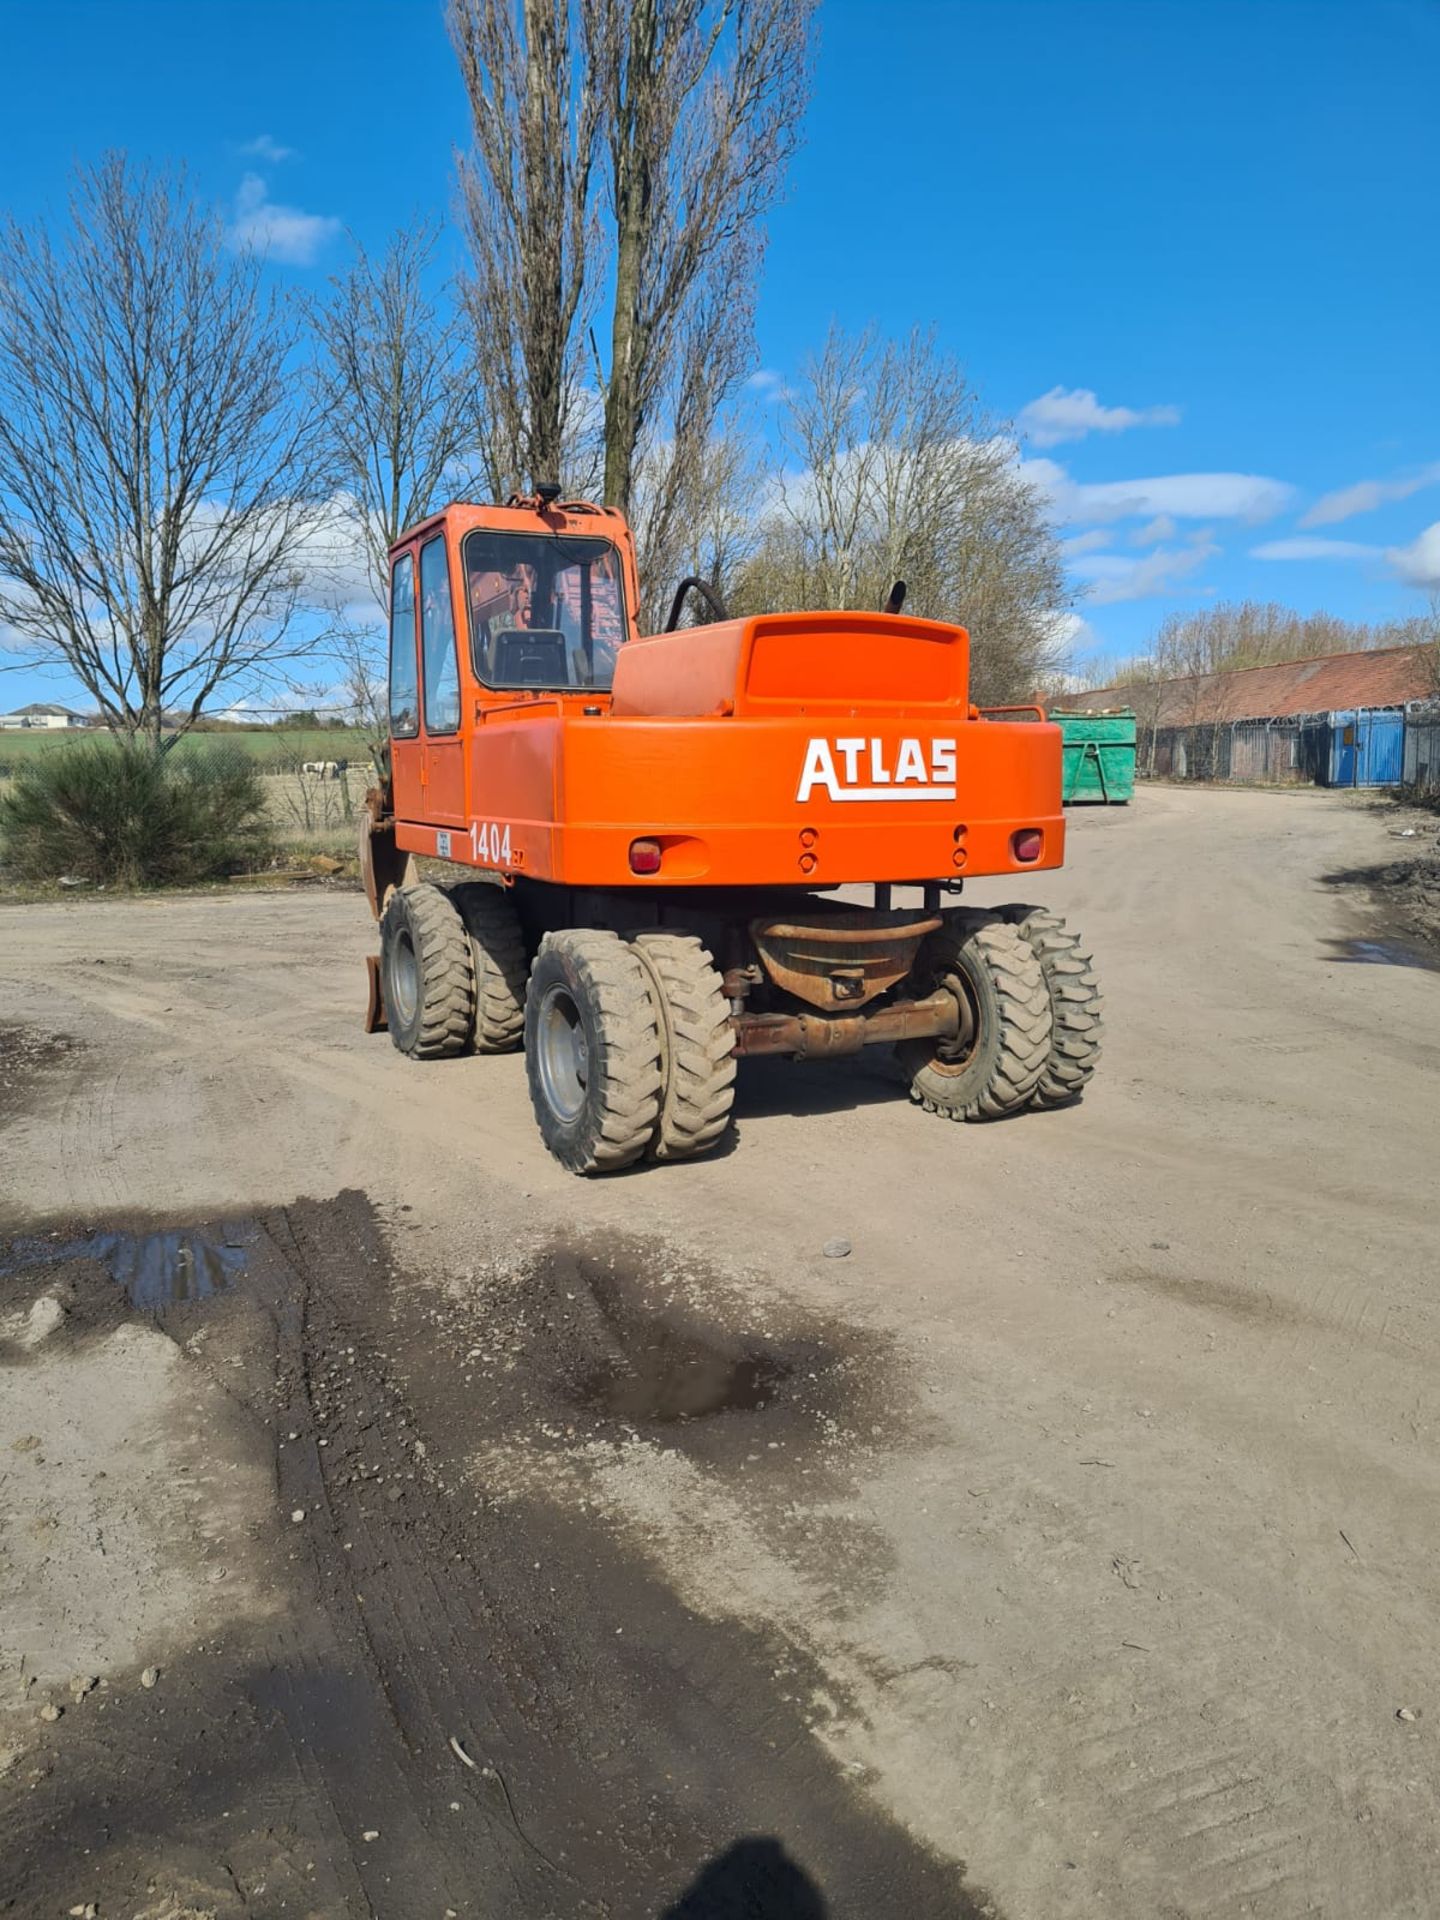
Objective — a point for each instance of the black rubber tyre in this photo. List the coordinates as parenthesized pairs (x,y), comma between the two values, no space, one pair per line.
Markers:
(1075,1004)
(497,952)
(426,973)
(593,1050)
(699,1088)
(995,973)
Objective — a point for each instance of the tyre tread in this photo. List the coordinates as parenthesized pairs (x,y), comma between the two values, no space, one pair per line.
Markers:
(501,964)
(1076,1006)
(1025,1021)
(447,974)
(700,1078)
(629,1061)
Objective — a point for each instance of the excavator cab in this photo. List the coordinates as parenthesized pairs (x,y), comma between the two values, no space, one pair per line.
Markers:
(545,610)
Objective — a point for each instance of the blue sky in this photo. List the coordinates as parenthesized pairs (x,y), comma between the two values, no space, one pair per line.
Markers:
(1190,245)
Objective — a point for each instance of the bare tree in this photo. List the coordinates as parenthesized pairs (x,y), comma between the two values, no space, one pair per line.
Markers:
(400,420)
(704,113)
(397,396)
(528,188)
(1252,633)
(1422,630)
(157,478)
(696,105)
(897,474)
(693,514)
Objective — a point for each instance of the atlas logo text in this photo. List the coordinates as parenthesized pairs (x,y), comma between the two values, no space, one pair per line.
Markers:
(855,769)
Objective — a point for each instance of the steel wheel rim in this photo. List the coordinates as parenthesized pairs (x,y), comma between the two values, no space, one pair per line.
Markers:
(562,1053)
(954,1056)
(405,978)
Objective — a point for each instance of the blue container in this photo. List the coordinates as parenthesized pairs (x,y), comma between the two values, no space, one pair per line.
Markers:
(1367,747)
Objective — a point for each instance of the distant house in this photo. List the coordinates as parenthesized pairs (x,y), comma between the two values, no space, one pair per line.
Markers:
(42,713)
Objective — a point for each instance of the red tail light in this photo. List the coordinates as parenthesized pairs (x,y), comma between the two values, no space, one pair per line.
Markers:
(645,856)
(1028,844)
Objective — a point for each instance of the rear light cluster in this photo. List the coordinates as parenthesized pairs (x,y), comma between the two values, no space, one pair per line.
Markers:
(1028,844)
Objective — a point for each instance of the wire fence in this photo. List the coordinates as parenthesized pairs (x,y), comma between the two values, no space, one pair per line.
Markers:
(1422,749)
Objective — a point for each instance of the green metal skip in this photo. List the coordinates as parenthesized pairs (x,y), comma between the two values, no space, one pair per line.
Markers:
(1099,757)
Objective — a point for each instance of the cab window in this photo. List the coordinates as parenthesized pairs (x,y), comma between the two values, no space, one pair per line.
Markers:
(404,693)
(546,610)
(437,641)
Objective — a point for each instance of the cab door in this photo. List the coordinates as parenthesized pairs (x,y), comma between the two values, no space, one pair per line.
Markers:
(443,752)
(406,771)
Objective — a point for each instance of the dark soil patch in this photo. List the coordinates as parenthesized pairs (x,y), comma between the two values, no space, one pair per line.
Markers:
(1404,899)
(1235,1300)
(516,1710)
(26,1055)
(620,1336)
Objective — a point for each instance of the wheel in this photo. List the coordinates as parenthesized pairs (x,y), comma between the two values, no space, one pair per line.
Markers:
(997,1061)
(497,952)
(699,1088)
(1075,1004)
(426,972)
(593,1050)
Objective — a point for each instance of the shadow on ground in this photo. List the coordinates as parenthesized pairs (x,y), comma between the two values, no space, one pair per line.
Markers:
(754,1880)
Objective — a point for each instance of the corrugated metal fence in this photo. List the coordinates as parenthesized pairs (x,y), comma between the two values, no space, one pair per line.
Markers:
(1282,752)
(1357,747)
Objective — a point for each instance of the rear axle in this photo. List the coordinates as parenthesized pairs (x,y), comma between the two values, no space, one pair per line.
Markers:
(811,1036)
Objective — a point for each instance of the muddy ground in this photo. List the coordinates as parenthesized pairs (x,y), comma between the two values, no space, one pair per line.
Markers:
(390,1524)
(1403,888)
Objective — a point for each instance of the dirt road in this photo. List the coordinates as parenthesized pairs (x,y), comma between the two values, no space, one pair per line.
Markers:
(1067,1549)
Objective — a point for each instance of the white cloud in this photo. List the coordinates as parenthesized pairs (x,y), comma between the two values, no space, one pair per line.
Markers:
(1303,548)
(327,552)
(265,147)
(332,555)
(1155,532)
(1177,496)
(284,234)
(769,386)
(1418,565)
(1069,414)
(1366,495)
(1069,630)
(1116,576)
(1079,543)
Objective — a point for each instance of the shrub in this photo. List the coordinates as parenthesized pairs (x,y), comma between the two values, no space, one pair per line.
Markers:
(1412,794)
(116,813)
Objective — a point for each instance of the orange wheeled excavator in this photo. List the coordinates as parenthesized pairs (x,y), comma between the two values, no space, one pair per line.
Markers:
(663,823)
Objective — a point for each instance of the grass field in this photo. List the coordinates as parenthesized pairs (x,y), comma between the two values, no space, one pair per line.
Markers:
(279,747)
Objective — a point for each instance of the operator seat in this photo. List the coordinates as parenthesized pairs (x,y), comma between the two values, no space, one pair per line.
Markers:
(530,657)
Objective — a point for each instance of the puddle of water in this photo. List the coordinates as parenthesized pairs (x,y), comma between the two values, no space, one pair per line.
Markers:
(163,1269)
(158,1269)
(666,1375)
(1380,953)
